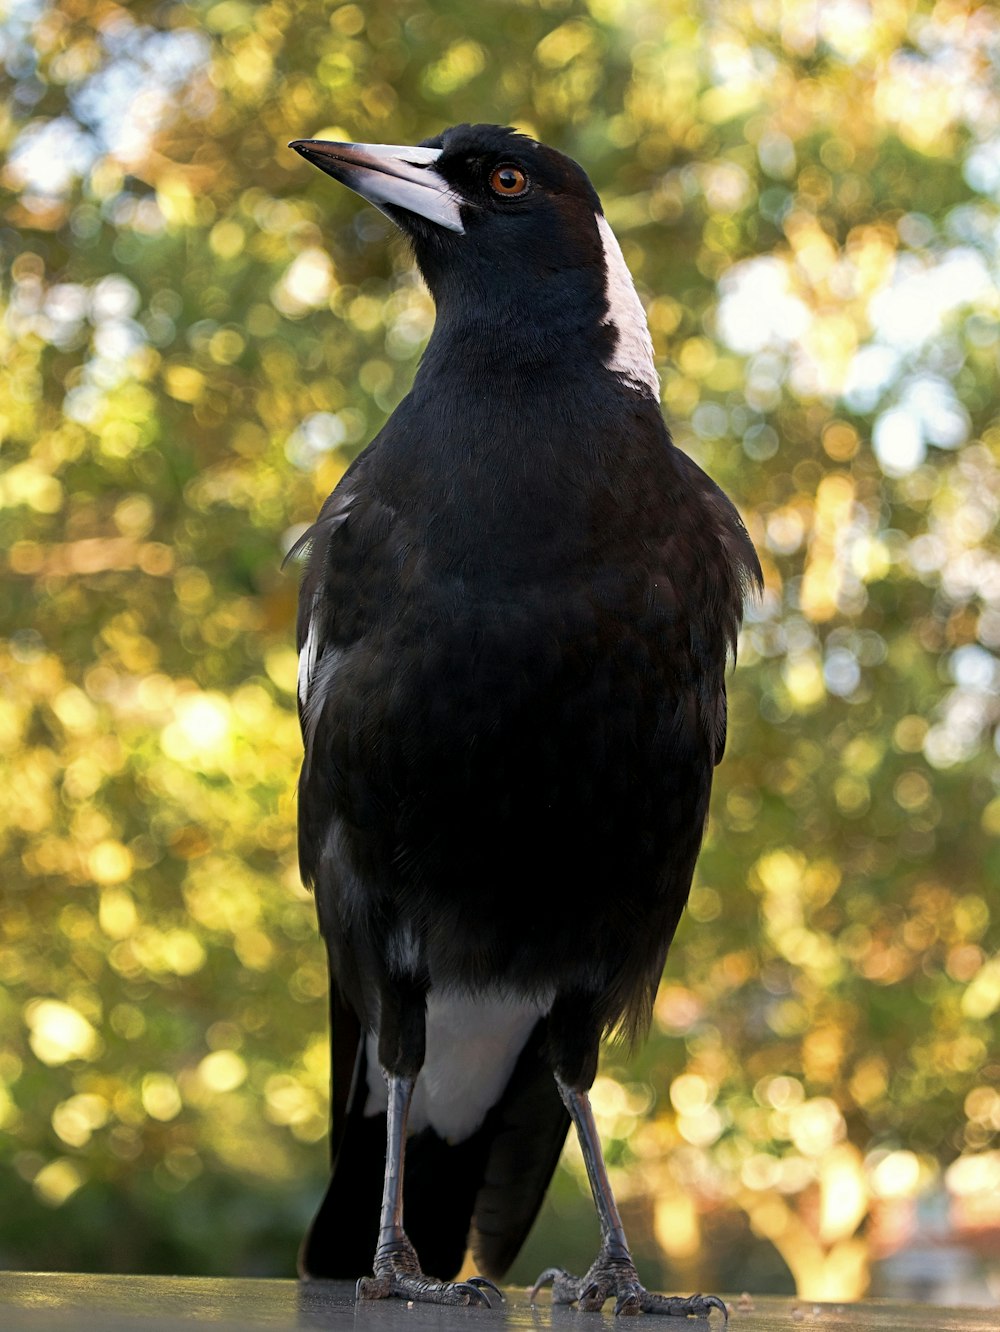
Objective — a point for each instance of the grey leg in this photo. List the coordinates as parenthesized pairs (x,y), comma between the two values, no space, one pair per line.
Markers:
(392,1241)
(397,1268)
(613,1239)
(613,1272)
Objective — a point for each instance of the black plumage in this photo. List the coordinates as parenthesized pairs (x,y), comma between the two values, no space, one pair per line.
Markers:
(514,626)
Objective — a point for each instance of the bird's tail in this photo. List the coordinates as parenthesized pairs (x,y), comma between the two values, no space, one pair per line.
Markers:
(485,1191)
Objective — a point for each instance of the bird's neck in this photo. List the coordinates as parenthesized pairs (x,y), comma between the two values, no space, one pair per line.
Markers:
(544,335)
(500,335)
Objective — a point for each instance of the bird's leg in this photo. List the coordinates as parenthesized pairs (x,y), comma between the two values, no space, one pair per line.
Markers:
(397,1268)
(395,1252)
(613,1271)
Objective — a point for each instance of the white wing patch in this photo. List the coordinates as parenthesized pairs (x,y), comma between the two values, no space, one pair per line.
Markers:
(473,1043)
(633,354)
(307,657)
(330,522)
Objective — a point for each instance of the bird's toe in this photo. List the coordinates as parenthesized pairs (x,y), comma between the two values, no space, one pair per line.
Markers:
(395,1279)
(680,1306)
(618,1278)
(592,1297)
(373,1288)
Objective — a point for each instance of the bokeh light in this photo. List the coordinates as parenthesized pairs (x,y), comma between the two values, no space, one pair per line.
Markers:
(199,334)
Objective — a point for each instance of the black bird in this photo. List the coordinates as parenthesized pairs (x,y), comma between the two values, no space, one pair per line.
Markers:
(513,627)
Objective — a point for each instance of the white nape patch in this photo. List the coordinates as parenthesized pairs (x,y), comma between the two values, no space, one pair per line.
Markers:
(473,1043)
(633,354)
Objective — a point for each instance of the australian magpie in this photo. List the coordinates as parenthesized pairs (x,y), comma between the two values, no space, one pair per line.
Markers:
(513,630)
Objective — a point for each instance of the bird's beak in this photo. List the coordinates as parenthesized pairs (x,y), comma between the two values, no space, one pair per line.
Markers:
(387,174)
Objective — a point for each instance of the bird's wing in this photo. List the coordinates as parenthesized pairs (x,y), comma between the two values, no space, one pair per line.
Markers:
(331,620)
(491,1182)
(344,583)
(342,1238)
(316,625)
(329,1236)
(731,575)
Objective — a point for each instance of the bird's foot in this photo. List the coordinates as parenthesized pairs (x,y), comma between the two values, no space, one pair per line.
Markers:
(616,1276)
(398,1276)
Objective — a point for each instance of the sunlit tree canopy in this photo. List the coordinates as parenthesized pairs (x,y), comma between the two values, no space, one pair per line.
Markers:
(199,333)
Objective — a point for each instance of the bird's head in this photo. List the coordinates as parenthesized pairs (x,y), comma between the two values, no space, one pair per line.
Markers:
(497,220)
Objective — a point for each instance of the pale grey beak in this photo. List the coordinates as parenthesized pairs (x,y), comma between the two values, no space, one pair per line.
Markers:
(388,174)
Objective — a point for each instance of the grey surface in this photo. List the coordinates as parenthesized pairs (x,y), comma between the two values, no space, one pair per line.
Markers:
(32,1301)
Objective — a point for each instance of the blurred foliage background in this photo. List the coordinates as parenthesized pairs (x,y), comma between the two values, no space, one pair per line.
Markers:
(200,332)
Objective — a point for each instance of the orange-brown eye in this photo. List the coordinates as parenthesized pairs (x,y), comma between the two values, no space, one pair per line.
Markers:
(508,181)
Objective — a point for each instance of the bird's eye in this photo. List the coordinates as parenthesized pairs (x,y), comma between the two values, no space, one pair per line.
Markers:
(508,181)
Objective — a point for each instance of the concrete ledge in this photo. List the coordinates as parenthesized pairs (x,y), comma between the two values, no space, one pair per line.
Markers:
(30,1302)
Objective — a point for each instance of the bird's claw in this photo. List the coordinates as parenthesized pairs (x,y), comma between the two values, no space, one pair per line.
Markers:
(629,1301)
(474,1293)
(546,1279)
(483,1284)
(563,1285)
(568,1289)
(592,1299)
(620,1280)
